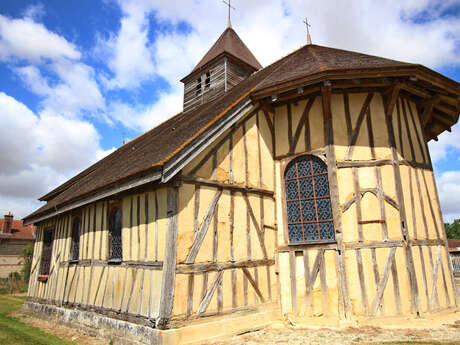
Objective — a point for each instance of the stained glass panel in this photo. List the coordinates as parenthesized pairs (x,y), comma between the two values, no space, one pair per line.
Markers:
(47,251)
(308,201)
(75,248)
(115,234)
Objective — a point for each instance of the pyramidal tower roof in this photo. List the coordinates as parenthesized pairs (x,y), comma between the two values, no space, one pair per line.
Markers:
(230,43)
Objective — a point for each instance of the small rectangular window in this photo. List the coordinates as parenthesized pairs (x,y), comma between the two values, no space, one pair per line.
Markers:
(47,250)
(198,86)
(76,230)
(207,82)
(115,226)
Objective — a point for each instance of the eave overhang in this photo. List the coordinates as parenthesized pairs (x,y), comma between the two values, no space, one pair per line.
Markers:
(162,172)
(415,81)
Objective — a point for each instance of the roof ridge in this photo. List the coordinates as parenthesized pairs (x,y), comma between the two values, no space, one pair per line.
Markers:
(277,61)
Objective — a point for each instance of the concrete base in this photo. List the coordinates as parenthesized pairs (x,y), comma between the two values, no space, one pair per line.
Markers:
(123,333)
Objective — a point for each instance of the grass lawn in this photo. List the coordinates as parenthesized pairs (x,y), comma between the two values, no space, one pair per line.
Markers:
(13,331)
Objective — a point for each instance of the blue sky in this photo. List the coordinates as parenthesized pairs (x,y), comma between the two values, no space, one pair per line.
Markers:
(78,77)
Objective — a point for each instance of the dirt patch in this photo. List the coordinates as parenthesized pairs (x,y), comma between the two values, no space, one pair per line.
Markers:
(60,331)
(449,334)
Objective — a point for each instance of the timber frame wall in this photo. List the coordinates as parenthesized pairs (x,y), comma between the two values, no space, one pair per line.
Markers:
(214,240)
(390,255)
(92,282)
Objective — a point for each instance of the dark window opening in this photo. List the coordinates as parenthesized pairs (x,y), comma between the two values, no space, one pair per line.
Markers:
(115,224)
(207,82)
(308,201)
(75,247)
(47,250)
(198,86)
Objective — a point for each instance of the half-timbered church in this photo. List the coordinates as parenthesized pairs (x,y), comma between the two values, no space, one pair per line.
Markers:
(301,189)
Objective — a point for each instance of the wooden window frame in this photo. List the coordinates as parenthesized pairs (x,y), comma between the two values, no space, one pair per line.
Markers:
(110,258)
(46,255)
(320,154)
(198,88)
(72,258)
(207,82)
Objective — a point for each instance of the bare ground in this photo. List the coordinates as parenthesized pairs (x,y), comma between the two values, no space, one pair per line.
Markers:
(448,334)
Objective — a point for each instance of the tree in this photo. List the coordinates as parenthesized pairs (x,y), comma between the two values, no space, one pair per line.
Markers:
(27,254)
(453,230)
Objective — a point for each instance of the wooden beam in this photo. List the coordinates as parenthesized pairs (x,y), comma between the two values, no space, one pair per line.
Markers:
(434,278)
(302,124)
(428,107)
(259,232)
(383,282)
(169,268)
(391,101)
(207,297)
(293,281)
(227,186)
(344,296)
(357,129)
(254,284)
(203,229)
(221,266)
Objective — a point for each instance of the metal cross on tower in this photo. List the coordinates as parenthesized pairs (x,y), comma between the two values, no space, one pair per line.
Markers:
(229,4)
(308,30)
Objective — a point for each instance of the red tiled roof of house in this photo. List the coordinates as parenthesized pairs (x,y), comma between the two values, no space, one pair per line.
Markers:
(453,245)
(18,230)
(154,148)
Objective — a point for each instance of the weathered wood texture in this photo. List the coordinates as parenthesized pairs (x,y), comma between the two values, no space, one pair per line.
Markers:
(389,219)
(131,286)
(224,74)
(389,257)
(227,230)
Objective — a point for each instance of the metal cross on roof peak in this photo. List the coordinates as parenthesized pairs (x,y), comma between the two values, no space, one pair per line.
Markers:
(308,30)
(229,4)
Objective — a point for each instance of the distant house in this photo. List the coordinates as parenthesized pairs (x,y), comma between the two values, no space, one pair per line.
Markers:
(14,236)
(454,251)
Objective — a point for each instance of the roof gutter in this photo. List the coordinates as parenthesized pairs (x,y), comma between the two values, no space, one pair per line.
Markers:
(116,189)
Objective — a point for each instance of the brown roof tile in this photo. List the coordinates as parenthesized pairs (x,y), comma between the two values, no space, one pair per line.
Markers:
(229,42)
(312,59)
(155,147)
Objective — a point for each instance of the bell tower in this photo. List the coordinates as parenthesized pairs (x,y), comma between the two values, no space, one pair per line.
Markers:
(227,63)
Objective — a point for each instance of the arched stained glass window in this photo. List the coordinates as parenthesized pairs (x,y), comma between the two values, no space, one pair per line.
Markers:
(308,201)
(115,248)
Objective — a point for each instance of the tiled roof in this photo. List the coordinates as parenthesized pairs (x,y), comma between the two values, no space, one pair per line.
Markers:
(453,245)
(154,148)
(229,42)
(312,59)
(18,230)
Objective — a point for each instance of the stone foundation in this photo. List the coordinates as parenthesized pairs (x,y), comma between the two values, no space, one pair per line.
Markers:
(121,332)
(118,331)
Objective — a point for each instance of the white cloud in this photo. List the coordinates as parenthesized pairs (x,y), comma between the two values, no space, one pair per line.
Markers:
(36,11)
(39,152)
(130,57)
(449,194)
(439,149)
(145,117)
(380,28)
(27,40)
